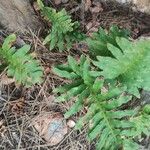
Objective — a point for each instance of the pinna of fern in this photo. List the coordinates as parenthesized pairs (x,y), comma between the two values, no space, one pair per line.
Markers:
(112,126)
(21,65)
(64,33)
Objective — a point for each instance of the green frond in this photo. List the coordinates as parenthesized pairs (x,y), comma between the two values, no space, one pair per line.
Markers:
(107,121)
(98,43)
(21,65)
(64,33)
(130,64)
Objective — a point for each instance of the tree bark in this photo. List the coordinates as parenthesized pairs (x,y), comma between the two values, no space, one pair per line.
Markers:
(18,16)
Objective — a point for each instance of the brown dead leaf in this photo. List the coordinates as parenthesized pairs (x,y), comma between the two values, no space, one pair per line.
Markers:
(36,6)
(57,2)
(51,126)
(47,70)
(92,27)
(2,128)
(6,81)
(96,8)
(89,25)
(17,106)
(87,5)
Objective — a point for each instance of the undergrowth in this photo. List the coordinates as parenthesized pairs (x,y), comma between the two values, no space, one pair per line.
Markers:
(105,82)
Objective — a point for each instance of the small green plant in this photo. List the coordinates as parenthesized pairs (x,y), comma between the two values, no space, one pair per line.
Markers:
(64,33)
(98,43)
(21,65)
(106,86)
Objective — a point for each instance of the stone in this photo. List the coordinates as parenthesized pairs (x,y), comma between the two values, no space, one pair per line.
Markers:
(18,16)
(139,5)
(51,126)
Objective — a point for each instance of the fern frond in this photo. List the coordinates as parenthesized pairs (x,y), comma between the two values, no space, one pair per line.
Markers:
(130,64)
(98,43)
(21,65)
(108,122)
(64,33)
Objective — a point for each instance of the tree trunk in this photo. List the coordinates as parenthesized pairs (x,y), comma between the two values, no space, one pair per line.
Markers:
(18,16)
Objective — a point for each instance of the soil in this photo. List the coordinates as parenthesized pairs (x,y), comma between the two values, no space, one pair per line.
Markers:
(18,105)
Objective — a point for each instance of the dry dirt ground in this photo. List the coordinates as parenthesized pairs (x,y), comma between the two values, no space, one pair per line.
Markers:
(18,105)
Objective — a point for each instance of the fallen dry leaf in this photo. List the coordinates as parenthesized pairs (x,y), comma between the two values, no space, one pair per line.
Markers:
(47,70)
(51,127)
(87,5)
(6,81)
(89,25)
(36,6)
(92,27)
(96,8)
(57,2)
(3,128)
(17,106)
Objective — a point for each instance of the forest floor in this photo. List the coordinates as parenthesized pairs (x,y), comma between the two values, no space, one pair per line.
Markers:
(19,105)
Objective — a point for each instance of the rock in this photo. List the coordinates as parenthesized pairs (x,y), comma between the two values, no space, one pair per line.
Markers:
(139,5)
(18,16)
(71,123)
(51,127)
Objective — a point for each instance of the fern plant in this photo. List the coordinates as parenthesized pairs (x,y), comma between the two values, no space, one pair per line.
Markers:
(64,33)
(122,71)
(21,65)
(113,126)
(98,43)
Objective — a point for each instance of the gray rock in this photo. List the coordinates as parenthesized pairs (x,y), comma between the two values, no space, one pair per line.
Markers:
(139,5)
(18,16)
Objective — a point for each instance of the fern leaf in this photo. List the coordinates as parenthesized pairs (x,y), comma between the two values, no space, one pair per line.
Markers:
(130,65)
